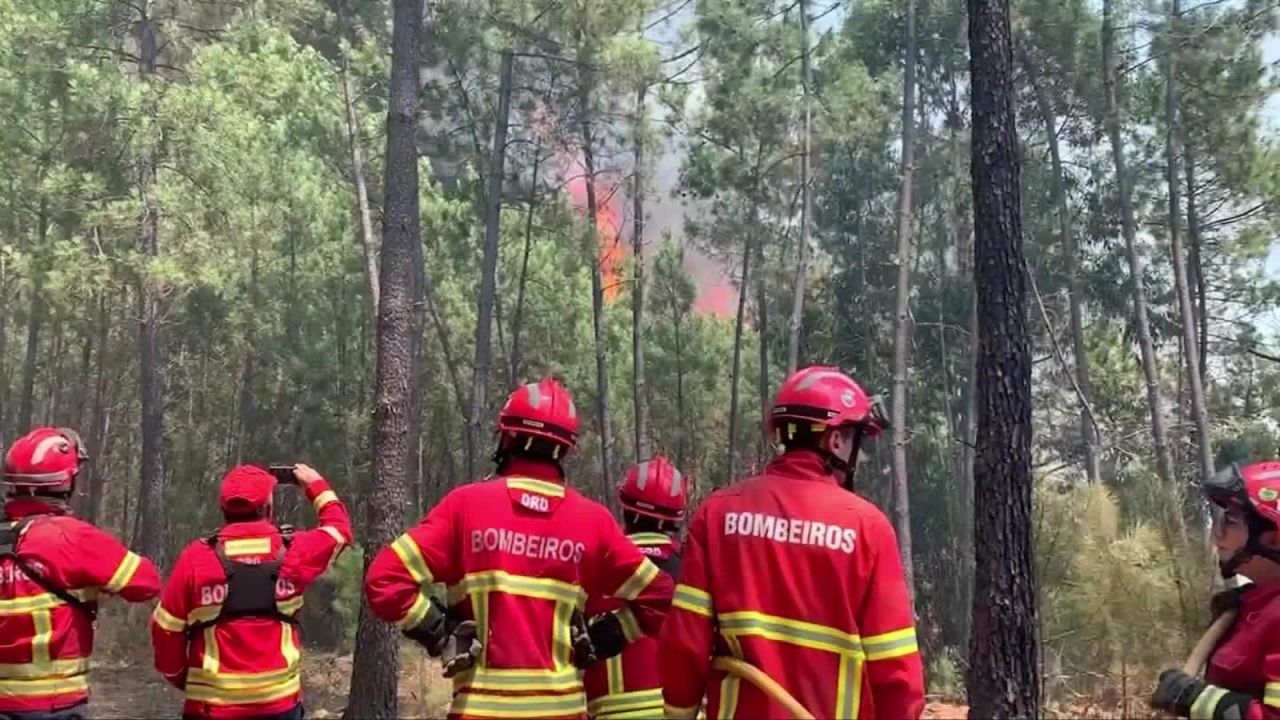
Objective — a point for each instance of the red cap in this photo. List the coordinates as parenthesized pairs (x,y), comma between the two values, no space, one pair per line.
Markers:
(246,488)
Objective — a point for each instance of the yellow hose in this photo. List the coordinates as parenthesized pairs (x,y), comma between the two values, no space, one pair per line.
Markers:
(768,685)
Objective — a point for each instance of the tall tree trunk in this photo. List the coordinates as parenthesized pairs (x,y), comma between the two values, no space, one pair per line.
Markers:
(1004,674)
(802,249)
(638,388)
(4,336)
(736,375)
(377,661)
(489,268)
(1151,373)
(585,87)
(245,430)
(90,496)
(368,243)
(517,320)
(902,333)
(1196,268)
(1070,250)
(152,527)
(677,323)
(1190,334)
(762,330)
(35,317)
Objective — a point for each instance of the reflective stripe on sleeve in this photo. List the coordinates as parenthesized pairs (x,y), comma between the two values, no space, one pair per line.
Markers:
(692,599)
(406,548)
(638,581)
(124,572)
(890,645)
(324,498)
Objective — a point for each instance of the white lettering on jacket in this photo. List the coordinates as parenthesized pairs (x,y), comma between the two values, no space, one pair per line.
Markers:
(793,531)
(537,547)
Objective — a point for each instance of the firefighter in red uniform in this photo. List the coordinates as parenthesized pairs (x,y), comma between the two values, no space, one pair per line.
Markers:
(1242,677)
(795,574)
(225,630)
(52,567)
(519,554)
(626,684)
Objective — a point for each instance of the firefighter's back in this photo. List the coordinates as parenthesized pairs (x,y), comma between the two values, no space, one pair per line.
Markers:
(792,559)
(527,549)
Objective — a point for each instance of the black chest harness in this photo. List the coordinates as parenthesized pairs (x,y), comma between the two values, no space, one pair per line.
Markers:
(251,588)
(11,533)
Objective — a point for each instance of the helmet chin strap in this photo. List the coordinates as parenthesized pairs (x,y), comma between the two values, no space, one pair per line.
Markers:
(1253,547)
(844,469)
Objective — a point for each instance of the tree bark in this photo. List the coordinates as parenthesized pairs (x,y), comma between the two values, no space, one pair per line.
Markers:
(585,87)
(1196,268)
(376,664)
(1003,674)
(152,528)
(35,317)
(638,388)
(489,268)
(802,249)
(517,319)
(1070,250)
(91,495)
(902,333)
(731,456)
(762,333)
(1190,334)
(1150,371)
(368,243)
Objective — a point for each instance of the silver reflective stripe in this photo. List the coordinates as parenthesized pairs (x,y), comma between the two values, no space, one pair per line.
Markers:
(815,376)
(642,475)
(535,394)
(675,483)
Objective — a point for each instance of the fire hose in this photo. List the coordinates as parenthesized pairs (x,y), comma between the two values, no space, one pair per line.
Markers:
(767,685)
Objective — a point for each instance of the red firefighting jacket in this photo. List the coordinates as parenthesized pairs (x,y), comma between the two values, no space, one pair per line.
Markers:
(45,641)
(628,686)
(797,576)
(1248,658)
(245,666)
(519,554)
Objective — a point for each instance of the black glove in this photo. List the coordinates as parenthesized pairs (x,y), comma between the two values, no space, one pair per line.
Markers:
(1226,601)
(444,636)
(584,652)
(1177,692)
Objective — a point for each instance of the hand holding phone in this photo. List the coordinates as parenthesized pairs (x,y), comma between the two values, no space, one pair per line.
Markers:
(283,473)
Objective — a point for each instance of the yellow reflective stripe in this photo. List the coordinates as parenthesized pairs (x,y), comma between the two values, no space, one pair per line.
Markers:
(1206,703)
(42,622)
(649,539)
(849,687)
(516,680)
(323,499)
(124,573)
(644,713)
(238,696)
(406,548)
(209,663)
(47,670)
(1271,694)
(675,712)
(614,705)
(890,645)
(638,581)
(729,687)
(290,606)
(541,487)
(613,671)
(527,706)
(242,680)
(561,635)
(29,604)
(416,614)
(630,627)
(204,613)
(43,686)
(288,648)
(247,546)
(524,586)
(796,632)
(167,620)
(692,599)
(334,533)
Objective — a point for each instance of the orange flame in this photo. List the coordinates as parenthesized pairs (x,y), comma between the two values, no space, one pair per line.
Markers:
(612,252)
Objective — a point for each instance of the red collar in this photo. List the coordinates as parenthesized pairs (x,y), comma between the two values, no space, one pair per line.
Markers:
(801,465)
(17,508)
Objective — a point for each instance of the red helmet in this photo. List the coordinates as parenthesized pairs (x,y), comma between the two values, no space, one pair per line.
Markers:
(828,398)
(654,488)
(1254,488)
(45,459)
(544,409)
